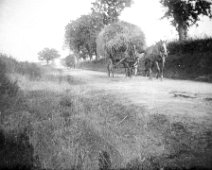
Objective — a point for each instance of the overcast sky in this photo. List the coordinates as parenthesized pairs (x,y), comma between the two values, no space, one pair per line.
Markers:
(28,26)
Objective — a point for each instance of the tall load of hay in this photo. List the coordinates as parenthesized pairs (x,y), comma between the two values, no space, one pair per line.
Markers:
(118,39)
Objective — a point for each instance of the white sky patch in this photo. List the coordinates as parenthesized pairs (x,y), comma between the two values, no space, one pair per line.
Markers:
(148,17)
(28,26)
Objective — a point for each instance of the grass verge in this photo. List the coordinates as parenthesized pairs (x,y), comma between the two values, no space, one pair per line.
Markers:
(68,126)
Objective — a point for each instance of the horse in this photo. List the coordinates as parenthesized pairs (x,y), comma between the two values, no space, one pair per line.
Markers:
(155,56)
(129,63)
(138,57)
(113,63)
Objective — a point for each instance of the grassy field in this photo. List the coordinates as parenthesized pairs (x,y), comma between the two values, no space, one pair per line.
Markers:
(61,123)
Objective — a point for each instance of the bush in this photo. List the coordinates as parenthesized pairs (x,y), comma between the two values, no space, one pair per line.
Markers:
(190,46)
(15,150)
(31,70)
(70,61)
(8,90)
(10,63)
(190,59)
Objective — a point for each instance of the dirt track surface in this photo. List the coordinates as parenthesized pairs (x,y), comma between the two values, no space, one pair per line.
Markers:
(169,97)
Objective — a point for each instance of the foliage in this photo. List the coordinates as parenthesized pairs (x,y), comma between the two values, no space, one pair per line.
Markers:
(32,70)
(10,63)
(15,149)
(190,59)
(70,61)
(118,37)
(190,46)
(81,34)
(8,91)
(110,9)
(184,13)
(48,54)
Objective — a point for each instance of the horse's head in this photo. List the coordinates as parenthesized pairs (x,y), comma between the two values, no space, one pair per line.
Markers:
(163,48)
(138,52)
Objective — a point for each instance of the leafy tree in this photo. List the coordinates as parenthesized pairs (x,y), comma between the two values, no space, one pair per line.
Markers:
(185,13)
(110,9)
(48,55)
(70,61)
(81,34)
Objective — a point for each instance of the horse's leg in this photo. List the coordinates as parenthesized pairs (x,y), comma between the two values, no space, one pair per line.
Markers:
(150,73)
(129,72)
(136,70)
(146,71)
(126,69)
(161,73)
(108,70)
(158,69)
(162,67)
(112,71)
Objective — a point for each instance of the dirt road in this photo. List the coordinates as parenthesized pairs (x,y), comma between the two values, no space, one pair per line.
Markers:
(170,97)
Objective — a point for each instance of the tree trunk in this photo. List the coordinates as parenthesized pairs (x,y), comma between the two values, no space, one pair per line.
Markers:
(182,32)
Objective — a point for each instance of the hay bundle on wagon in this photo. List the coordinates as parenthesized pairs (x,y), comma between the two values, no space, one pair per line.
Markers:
(118,43)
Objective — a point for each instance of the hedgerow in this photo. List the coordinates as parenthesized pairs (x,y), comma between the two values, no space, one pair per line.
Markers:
(190,46)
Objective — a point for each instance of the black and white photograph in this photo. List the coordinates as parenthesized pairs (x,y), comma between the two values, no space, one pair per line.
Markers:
(106,84)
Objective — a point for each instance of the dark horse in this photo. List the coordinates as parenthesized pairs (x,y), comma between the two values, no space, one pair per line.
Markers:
(113,63)
(129,63)
(156,56)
